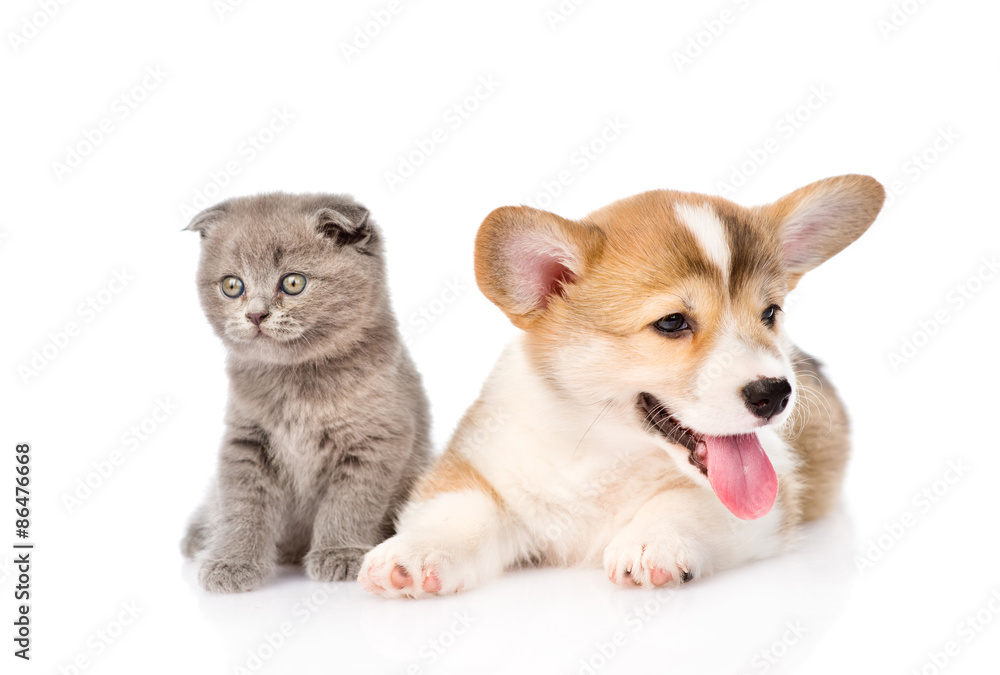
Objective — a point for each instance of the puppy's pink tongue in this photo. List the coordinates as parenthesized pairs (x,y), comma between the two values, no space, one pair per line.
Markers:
(741,475)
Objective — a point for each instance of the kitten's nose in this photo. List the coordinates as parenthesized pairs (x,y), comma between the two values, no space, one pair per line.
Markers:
(767,397)
(257,317)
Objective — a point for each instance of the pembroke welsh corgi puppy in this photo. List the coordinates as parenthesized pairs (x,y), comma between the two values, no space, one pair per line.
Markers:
(654,416)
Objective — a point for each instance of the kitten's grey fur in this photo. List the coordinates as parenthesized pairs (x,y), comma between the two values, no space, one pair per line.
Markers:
(327,422)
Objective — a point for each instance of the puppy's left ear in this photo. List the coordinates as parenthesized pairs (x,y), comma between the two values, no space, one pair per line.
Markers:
(346,225)
(820,220)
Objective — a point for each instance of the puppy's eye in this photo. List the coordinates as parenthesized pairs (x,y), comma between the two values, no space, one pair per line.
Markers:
(293,283)
(232,287)
(672,323)
(770,315)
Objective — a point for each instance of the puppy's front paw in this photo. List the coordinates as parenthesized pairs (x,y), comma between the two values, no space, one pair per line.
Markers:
(334,564)
(231,576)
(398,568)
(656,559)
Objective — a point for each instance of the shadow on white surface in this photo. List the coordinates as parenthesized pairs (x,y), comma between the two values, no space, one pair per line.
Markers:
(764,617)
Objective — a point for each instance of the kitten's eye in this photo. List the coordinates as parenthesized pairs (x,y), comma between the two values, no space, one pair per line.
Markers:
(232,287)
(672,323)
(293,283)
(770,315)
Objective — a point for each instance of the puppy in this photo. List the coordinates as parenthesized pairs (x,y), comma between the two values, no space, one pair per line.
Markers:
(657,419)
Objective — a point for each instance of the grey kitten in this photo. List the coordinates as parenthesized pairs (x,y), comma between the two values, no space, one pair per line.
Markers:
(327,422)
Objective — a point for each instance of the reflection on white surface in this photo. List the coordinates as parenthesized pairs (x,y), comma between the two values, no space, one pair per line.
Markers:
(771,613)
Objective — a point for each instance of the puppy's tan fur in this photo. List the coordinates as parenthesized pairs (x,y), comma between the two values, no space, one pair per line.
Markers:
(586,294)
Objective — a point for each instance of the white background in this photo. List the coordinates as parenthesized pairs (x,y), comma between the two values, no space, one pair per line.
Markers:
(889,96)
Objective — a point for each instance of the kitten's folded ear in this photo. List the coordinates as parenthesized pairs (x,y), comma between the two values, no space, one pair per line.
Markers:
(346,225)
(202,222)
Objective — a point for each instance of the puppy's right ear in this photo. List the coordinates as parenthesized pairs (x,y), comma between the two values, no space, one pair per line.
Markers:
(526,259)
(202,222)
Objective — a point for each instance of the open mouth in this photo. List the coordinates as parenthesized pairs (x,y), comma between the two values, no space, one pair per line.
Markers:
(736,466)
(660,418)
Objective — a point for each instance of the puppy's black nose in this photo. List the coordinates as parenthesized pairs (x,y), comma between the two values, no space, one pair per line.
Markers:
(257,317)
(767,396)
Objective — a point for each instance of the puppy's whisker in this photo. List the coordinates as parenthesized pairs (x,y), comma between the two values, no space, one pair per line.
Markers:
(597,419)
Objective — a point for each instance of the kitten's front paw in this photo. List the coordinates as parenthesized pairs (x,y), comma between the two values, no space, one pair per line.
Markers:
(194,541)
(656,558)
(334,564)
(231,576)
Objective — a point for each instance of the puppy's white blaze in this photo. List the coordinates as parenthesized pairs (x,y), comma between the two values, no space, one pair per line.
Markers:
(734,363)
(705,225)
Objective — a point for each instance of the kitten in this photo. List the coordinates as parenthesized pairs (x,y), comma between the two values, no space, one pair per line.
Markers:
(327,422)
